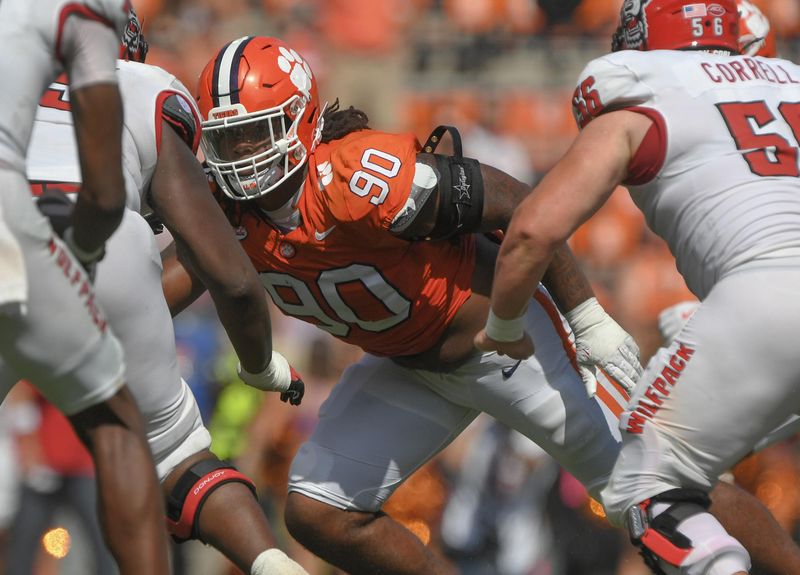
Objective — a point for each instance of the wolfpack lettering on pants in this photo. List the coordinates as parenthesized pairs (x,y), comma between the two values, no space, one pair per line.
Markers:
(655,394)
(77,277)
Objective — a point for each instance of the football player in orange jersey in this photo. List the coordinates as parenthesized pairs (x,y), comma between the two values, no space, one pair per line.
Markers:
(377,241)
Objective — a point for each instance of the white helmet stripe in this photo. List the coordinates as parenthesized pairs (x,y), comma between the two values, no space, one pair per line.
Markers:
(227,62)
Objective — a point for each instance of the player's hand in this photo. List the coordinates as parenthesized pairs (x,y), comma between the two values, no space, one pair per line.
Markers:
(88,260)
(520,349)
(294,395)
(278,376)
(672,319)
(58,208)
(600,343)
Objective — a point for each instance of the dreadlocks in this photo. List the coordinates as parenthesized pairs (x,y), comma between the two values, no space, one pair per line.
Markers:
(338,123)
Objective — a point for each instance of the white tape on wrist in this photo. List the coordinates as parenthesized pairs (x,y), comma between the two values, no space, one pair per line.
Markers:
(586,314)
(500,329)
(276,377)
(275,562)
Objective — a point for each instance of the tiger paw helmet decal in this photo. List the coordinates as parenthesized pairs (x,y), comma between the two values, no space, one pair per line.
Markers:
(299,73)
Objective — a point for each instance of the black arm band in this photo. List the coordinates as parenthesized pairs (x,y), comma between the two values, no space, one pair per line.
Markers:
(460,196)
(460,188)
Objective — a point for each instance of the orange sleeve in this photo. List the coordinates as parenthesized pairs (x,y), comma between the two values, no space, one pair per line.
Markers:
(370,177)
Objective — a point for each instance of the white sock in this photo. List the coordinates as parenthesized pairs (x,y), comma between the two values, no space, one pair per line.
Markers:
(275,562)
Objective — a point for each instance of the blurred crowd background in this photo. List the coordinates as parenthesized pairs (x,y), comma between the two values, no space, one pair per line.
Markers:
(502,71)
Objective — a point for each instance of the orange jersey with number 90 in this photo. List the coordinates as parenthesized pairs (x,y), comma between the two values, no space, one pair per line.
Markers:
(341,268)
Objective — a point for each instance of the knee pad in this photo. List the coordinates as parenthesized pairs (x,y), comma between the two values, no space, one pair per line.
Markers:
(191,491)
(684,539)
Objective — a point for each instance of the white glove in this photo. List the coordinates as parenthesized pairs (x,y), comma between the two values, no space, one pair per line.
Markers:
(672,319)
(278,376)
(601,343)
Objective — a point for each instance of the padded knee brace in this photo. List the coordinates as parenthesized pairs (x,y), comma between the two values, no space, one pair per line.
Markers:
(191,491)
(667,547)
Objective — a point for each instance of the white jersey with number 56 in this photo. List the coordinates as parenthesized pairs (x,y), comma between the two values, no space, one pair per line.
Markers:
(718,176)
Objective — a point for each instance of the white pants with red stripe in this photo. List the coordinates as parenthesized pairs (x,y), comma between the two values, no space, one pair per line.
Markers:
(730,377)
(383,421)
(128,287)
(61,343)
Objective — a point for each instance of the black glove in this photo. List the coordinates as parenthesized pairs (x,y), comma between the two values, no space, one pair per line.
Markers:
(58,208)
(273,378)
(294,395)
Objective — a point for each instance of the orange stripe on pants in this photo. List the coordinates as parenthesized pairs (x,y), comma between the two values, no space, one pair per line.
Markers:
(551,311)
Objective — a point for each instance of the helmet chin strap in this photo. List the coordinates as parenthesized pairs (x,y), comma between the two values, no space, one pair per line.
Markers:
(286,217)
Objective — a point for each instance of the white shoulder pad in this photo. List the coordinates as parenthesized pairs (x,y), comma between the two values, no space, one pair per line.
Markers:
(143,80)
(115,11)
(142,87)
(612,82)
(143,84)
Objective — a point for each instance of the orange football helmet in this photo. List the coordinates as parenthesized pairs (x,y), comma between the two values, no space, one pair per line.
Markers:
(756,38)
(261,115)
(677,25)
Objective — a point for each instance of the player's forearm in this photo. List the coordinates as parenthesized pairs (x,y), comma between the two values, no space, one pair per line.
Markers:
(502,194)
(244,315)
(98,129)
(181,287)
(567,196)
(238,295)
(565,281)
(520,266)
(533,237)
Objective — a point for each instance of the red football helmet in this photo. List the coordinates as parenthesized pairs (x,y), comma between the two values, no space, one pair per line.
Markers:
(133,46)
(756,38)
(678,25)
(261,115)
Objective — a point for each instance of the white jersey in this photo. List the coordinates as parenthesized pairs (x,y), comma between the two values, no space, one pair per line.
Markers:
(139,318)
(146,97)
(721,184)
(34,50)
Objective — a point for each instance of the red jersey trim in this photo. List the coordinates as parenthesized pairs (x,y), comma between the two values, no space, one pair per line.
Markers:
(38,187)
(649,158)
